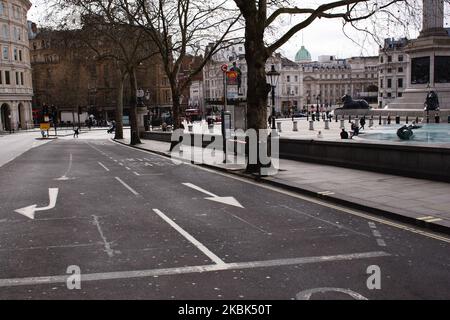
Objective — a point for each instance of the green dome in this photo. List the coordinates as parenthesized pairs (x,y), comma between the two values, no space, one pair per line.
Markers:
(302,55)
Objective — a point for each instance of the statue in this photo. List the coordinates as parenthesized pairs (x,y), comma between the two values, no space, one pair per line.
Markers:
(406,132)
(349,103)
(432,102)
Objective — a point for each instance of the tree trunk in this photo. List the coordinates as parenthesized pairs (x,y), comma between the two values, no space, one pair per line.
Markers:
(176,113)
(119,109)
(133,109)
(258,90)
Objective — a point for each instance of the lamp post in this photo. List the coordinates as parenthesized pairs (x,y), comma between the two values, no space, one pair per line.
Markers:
(272,79)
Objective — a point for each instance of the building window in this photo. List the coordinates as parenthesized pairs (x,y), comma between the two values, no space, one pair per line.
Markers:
(16,55)
(20,55)
(21,79)
(381,59)
(5,31)
(389,70)
(381,83)
(17,79)
(2,9)
(400,82)
(7,78)
(296,78)
(389,83)
(389,58)
(442,69)
(400,69)
(420,70)
(6,53)
(400,58)
(288,78)
(400,94)
(389,95)
(1,77)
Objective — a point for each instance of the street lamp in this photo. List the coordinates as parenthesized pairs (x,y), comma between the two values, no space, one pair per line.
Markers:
(272,78)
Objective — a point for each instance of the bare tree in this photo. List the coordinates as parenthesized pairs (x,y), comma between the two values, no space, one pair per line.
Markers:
(262,15)
(180,28)
(106,34)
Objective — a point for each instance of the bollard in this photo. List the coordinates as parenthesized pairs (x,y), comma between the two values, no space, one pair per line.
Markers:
(311,125)
(371,122)
(342,126)
(327,125)
(379,120)
(350,119)
(437,118)
(407,119)
(397,119)
(336,118)
(279,126)
(389,119)
(295,124)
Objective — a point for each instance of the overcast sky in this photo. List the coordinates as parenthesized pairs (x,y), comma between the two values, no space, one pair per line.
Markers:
(323,37)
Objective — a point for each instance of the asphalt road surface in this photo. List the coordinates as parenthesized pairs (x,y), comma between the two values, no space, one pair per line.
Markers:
(141,227)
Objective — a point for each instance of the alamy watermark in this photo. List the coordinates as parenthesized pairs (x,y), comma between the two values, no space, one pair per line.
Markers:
(242,147)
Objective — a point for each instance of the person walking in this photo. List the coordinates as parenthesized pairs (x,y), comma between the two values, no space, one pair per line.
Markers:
(76,132)
(362,122)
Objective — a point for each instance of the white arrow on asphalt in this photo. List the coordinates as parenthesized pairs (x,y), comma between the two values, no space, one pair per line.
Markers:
(30,210)
(226,200)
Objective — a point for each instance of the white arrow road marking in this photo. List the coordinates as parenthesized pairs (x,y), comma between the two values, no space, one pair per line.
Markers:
(226,200)
(30,210)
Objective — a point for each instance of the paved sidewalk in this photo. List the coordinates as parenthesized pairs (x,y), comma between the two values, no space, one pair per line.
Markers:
(421,202)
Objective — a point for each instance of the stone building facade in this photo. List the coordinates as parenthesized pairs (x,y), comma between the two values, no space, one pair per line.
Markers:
(68,76)
(16,89)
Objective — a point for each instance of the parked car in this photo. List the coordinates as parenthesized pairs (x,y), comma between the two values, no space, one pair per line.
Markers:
(299,115)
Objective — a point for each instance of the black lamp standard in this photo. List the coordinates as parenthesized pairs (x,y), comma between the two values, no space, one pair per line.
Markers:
(272,78)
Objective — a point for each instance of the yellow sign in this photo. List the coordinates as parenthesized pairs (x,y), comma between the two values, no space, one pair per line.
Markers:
(45,126)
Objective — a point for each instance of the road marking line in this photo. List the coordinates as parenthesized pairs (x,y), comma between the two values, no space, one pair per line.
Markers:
(372,225)
(104,167)
(193,186)
(188,270)
(127,168)
(326,193)
(127,186)
(434,220)
(306,198)
(381,242)
(425,218)
(136,173)
(64,176)
(121,164)
(194,241)
(376,233)
(107,245)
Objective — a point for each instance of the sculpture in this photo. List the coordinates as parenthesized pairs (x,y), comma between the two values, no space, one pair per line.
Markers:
(432,102)
(349,103)
(406,132)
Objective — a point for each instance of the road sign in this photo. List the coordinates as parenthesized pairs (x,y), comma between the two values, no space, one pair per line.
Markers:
(224,68)
(45,126)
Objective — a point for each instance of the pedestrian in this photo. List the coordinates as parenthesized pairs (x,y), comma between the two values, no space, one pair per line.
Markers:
(344,134)
(76,132)
(362,122)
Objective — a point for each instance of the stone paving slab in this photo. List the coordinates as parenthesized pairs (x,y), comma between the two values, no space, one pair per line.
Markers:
(402,198)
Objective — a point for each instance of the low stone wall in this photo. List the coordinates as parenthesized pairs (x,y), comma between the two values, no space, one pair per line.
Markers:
(444,115)
(405,160)
(412,161)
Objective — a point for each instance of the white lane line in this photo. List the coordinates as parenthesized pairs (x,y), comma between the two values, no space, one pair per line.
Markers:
(381,243)
(121,164)
(189,270)
(136,173)
(251,224)
(107,245)
(64,176)
(194,241)
(127,186)
(193,186)
(292,194)
(104,167)
(127,168)
(376,233)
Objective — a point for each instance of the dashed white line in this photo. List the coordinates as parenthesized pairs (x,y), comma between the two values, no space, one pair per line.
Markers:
(127,186)
(104,167)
